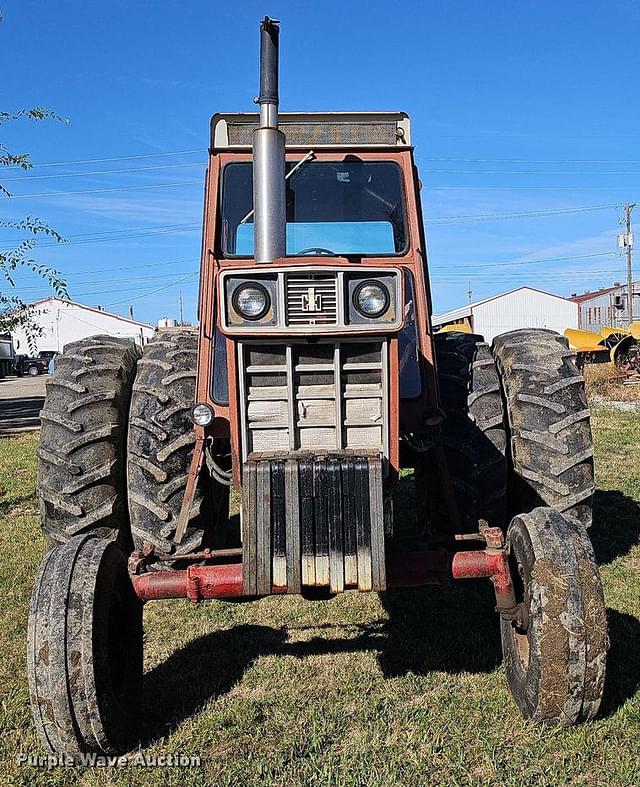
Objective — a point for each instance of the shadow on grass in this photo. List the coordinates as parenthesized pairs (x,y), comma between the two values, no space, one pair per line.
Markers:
(450,629)
(616,525)
(204,669)
(622,679)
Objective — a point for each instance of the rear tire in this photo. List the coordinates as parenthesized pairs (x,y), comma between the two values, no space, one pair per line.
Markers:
(556,667)
(85,649)
(549,423)
(160,445)
(473,434)
(81,469)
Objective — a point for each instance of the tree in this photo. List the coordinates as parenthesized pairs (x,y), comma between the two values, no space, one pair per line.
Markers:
(14,312)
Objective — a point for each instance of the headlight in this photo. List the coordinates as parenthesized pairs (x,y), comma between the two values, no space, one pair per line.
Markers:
(202,414)
(251,301)
(371,299)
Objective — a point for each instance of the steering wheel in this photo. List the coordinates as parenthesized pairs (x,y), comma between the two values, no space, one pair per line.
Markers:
(316,250)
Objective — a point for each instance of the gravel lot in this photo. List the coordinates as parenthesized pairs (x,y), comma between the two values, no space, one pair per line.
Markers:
(21,399)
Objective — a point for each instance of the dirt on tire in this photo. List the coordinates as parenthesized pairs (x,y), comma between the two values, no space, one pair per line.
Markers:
(561,679)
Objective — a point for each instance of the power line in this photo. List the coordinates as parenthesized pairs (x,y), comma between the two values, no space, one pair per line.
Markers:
(155,167)
(466,187)
(126,236)
(25,178)
(115,282)
(532,275)
(460,159)
(106,238)
(102,191)
(125,268)
(526,160)
(119,158)
(527,262)
(520,172)
(153,292)
(136,267)
(521,214)
(93,294)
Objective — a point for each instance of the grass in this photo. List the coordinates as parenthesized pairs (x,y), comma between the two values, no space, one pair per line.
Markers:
(401,689)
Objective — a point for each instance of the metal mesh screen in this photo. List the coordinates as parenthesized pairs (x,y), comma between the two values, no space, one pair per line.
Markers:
(345,133)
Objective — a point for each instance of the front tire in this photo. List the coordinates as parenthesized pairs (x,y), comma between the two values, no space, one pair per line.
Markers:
(556,665)
(85,649)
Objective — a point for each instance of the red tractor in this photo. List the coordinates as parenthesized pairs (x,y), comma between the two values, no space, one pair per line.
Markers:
(315,378)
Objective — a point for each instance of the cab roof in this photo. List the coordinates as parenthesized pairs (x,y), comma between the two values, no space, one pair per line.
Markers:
(316,129)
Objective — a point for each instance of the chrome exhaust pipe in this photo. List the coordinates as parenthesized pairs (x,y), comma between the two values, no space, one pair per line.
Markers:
(269,202)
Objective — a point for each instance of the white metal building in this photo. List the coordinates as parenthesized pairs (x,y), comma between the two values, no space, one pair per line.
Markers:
(65,321)
(524,307)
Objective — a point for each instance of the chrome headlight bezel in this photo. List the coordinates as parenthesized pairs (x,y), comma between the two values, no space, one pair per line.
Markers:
(384,292)
(201,414)
(252,285)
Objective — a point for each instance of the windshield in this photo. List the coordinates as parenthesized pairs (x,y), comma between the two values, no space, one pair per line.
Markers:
(348,207)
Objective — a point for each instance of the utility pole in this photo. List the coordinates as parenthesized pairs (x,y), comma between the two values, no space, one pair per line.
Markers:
(469,292)
(626,242)
(181,310)
(130,312)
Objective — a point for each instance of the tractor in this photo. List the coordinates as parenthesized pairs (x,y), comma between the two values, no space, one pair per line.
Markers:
(314,382)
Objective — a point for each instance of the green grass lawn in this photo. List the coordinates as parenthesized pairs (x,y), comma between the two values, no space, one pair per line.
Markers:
(405,688)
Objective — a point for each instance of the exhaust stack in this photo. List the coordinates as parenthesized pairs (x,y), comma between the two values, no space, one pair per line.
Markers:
(269,229)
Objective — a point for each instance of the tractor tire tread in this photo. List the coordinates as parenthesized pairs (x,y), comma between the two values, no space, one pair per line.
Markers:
(160,445)
(549,423)
(81,479)
(473,434)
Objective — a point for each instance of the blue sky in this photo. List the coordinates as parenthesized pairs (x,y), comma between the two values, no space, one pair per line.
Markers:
(516,108)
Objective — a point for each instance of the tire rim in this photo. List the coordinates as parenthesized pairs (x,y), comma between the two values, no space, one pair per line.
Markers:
(520,636)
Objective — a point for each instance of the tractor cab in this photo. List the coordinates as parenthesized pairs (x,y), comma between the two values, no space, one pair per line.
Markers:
(315,349)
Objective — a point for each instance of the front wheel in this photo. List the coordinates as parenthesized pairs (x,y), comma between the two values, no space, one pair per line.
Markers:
(555,659)
(34,371)
(85,649)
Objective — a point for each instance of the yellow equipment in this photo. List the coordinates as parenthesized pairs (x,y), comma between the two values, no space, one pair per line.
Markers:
(584,341)
(618,345)
(460,327)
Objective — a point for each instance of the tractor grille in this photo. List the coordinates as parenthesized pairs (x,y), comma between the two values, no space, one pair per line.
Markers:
(312,299)
(324,396)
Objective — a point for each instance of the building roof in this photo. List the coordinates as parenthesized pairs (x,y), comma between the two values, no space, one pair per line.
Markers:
(587,296)
(68,302)
(466,311)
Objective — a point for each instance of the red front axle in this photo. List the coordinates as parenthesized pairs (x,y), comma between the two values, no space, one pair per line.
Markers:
(410,569)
